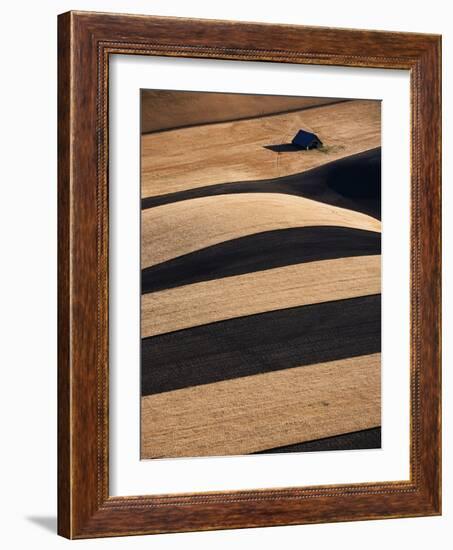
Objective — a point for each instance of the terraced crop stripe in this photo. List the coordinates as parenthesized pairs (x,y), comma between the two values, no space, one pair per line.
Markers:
(261,343)
(363,439)
(352,182)
(179,228)
(259,292)
(259,252)
(254,413)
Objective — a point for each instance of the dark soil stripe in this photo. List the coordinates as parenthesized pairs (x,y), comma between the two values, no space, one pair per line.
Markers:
(352,182)
(365,439)
(261,251)
(261,343)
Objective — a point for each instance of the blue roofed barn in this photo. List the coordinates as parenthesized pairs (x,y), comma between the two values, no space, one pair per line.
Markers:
(306,140)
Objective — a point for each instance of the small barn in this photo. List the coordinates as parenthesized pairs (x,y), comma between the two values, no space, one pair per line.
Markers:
(306,140)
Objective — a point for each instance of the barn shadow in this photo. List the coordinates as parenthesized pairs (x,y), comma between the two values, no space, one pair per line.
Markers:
(283,148)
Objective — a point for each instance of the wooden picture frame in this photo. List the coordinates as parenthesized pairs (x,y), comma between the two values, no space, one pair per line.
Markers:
(85,42)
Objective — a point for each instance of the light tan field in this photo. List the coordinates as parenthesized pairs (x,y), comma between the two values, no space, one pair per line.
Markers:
(263,411)
(178,228)
(164,109)
(235,151)
(257,292)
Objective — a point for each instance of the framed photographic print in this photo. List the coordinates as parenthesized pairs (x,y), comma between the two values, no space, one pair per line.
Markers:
(249,275)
